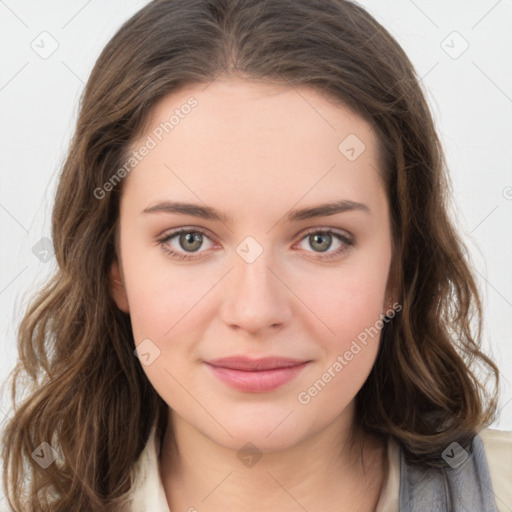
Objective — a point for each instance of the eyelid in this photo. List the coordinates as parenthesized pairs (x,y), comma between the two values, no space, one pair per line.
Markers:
(174,231)
(170,234)
(340,232)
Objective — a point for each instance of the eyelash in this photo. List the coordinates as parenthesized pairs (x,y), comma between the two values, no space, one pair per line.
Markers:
(181,256)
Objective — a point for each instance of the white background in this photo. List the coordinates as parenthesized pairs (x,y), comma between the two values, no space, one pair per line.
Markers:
(471,98)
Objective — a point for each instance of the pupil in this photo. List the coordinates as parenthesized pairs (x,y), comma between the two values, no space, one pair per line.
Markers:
(319,238)
(191,238)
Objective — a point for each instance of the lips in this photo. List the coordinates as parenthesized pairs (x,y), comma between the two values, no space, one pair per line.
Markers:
(247,364)
(255,375)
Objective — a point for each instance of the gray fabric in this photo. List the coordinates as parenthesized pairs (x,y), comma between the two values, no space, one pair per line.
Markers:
(464,485)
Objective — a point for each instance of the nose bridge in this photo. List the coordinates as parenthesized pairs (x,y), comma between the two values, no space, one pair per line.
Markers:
(255,276)
(257,298)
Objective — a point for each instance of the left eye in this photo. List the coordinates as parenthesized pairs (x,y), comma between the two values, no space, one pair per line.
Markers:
(321,241)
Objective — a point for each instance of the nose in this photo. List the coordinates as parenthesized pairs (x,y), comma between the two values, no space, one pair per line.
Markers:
(256,297)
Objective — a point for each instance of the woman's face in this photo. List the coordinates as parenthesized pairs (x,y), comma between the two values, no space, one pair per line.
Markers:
(269,272)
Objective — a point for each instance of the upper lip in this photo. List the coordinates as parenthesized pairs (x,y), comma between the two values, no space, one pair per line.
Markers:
(248,364)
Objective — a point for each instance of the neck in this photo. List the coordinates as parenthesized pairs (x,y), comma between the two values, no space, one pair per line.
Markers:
(338,468)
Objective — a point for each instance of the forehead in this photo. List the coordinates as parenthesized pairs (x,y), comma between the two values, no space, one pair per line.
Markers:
(246,141)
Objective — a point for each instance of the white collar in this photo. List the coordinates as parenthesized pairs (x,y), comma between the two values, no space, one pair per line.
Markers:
(148,491)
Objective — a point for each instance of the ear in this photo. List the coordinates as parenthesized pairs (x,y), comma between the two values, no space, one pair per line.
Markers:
(117,288)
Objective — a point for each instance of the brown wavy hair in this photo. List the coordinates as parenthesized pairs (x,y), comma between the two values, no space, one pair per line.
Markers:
(86,392)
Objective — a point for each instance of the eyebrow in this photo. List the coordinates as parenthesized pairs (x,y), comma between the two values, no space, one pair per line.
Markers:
(208,213)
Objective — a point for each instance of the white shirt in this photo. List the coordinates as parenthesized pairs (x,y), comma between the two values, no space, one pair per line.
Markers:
(149,494)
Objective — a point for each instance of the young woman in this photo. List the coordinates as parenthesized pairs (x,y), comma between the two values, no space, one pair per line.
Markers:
(261,302)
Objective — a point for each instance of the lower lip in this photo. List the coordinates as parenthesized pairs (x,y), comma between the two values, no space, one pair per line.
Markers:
(256,381)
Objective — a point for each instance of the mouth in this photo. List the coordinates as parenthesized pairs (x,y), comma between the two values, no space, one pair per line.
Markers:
(249,364)
(256,375)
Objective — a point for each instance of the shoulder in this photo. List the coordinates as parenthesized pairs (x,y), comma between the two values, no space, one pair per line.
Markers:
(498,451)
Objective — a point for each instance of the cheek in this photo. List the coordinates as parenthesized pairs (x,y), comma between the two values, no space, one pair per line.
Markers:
(347,327)
(167,312)
(346,302)
(333,387)
(162,295)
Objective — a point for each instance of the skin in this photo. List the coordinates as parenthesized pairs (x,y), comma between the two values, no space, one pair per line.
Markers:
(255,151)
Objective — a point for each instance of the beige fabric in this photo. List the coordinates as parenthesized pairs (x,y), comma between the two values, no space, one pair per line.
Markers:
(149,494)
(498,449)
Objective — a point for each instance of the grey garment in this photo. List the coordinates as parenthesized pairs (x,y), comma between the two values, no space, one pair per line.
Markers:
(463,486)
